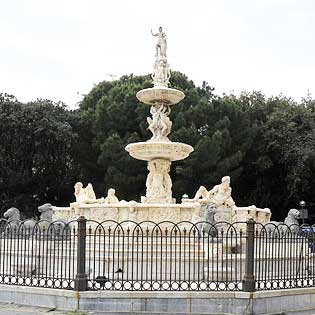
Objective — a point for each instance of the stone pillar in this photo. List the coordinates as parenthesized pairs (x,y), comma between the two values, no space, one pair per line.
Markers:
(159,183)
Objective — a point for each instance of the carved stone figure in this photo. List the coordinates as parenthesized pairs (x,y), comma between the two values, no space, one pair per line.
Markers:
(58,228)
(13,217)
(161,44)
(12,214)
(209,227)
(290,224)
(89,191)
(84,195)
(220,195)
(162,73)
(27,228)
(160,125)
(46,212)
(292,217)
(159,183)
(79,192)
(111,197)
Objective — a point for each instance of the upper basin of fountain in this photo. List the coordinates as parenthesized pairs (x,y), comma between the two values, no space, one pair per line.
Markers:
(158,95)
(149,150)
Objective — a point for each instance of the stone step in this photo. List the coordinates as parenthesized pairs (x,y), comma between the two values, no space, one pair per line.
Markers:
(154,313)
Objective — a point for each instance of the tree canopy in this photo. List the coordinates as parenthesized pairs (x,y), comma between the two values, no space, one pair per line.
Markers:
(264,144)
(36,153)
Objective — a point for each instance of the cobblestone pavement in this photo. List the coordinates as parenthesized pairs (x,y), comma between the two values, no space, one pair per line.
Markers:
(13,309)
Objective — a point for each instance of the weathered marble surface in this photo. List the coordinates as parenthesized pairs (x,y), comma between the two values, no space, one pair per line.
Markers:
(135,211)
(227,210)
(146,151)
(153,96)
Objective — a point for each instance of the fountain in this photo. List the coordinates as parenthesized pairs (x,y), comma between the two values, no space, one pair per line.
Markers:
(159,152)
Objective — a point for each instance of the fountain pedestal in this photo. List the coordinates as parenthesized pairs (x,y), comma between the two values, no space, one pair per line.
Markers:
(159,155)
(159,151)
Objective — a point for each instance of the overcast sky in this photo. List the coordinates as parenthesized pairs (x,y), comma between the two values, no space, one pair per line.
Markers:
(58,49)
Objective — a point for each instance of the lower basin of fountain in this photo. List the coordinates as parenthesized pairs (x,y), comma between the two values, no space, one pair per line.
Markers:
(132,211)
(149,150)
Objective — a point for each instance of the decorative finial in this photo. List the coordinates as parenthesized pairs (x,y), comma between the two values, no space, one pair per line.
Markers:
(162,73)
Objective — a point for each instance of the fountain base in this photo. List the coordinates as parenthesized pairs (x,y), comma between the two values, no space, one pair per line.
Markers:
(133,211)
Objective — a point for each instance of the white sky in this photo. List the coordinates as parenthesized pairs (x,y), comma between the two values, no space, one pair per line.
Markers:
(57,49)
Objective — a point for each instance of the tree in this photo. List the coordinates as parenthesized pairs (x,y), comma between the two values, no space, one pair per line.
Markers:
(265,145)
(36,160)
(210,124)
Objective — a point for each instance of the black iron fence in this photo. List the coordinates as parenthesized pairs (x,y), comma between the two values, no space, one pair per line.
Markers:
(89,255)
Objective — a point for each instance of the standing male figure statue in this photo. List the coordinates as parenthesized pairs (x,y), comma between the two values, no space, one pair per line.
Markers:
(161,44)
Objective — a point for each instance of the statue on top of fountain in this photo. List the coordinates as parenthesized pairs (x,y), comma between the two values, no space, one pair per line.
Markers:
(162,73)
(161,44)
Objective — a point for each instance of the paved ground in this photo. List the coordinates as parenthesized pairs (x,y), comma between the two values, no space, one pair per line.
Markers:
(13,309)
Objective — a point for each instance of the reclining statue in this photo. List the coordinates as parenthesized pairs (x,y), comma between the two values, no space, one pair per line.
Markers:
(84,195)
(220,195)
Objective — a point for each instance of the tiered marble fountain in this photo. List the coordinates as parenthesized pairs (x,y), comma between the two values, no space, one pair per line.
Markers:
(159,152)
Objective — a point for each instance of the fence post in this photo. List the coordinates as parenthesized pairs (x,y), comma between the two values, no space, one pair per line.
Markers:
(249,279)
(81,280)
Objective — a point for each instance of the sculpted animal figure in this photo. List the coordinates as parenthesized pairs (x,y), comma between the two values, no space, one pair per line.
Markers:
(28,227)
(290,224)
(13,217)
(209,227)
(57,228)
(46,212)
(12,214)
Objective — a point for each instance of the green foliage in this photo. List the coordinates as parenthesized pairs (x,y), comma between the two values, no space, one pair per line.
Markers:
(213,125)
(265,145)
(36,157)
